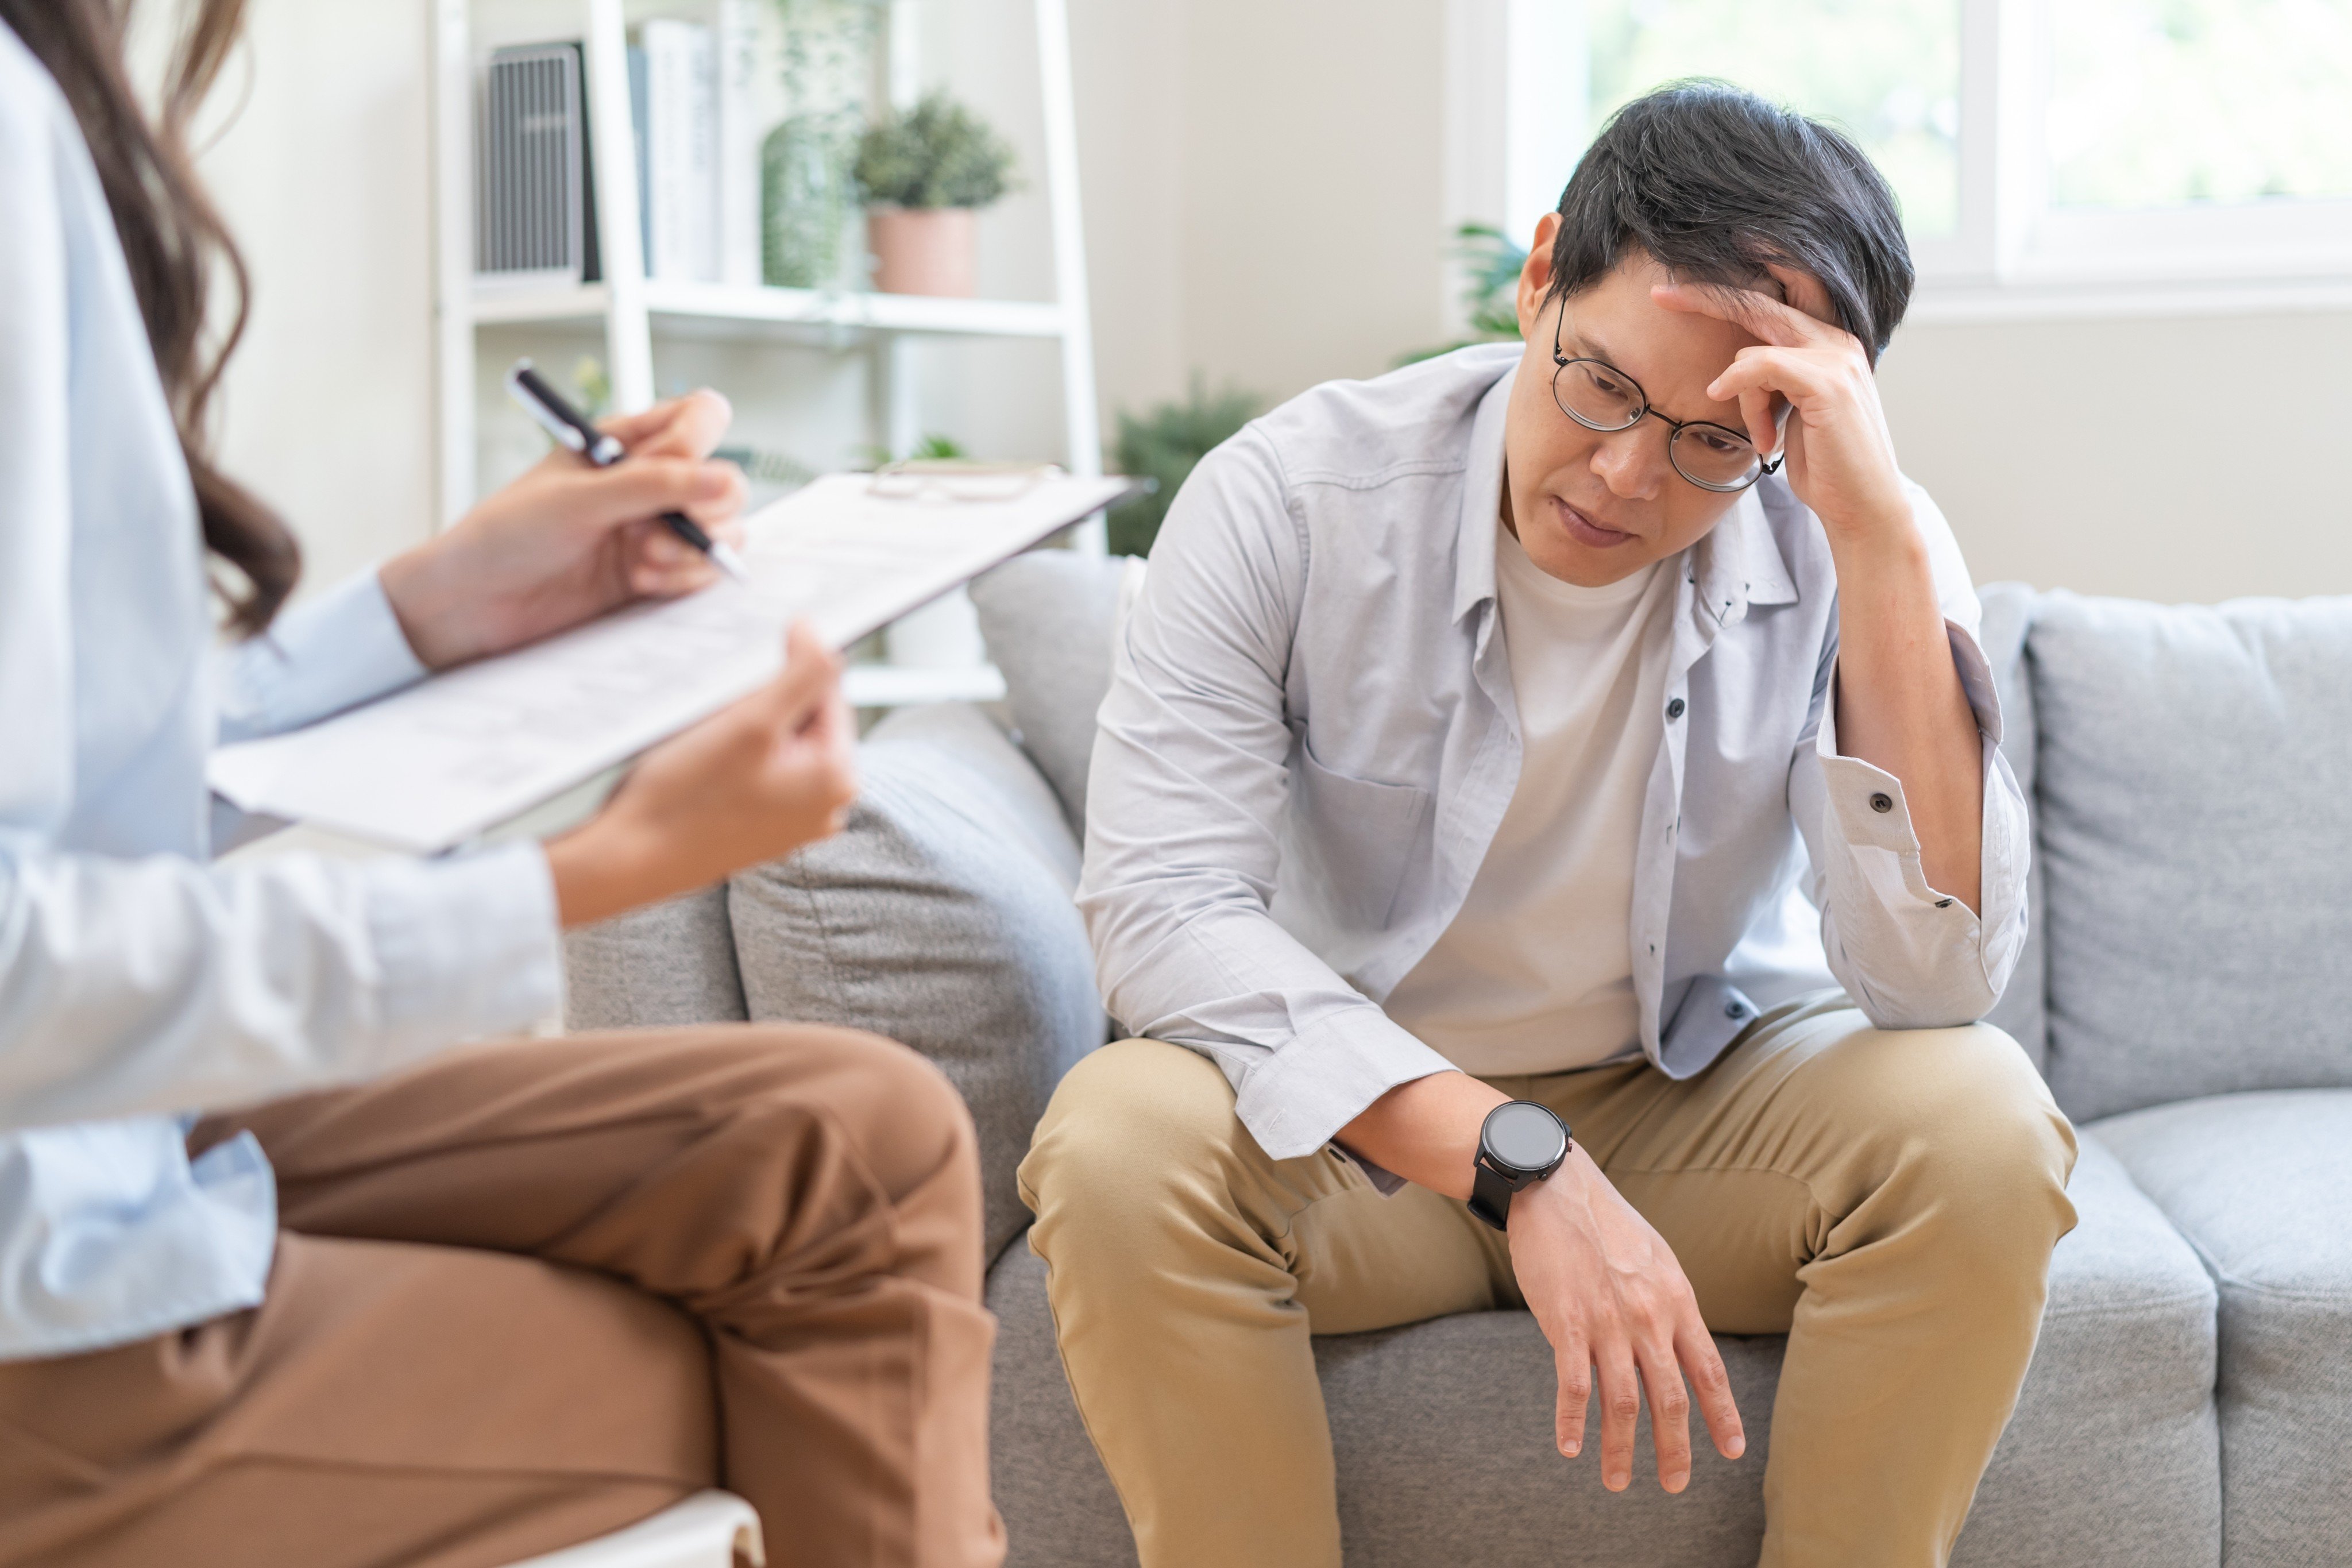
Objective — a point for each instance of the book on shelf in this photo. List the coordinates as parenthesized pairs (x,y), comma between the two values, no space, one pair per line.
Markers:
(693,88)
(680,127)
(741,131)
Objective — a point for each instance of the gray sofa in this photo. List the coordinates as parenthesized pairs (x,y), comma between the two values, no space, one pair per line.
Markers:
(2187,993)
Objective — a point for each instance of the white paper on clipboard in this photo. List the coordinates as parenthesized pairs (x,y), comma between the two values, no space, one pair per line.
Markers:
(438,764)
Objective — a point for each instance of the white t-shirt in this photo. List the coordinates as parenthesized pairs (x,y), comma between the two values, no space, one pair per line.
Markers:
(1536,974)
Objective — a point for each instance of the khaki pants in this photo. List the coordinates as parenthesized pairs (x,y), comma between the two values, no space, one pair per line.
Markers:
(1887,1200)
(530,1294)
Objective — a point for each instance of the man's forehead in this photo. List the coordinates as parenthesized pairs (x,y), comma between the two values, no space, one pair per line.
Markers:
(1672,365)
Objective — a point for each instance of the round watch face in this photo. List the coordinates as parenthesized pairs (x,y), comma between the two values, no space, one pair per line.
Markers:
(1525,1137)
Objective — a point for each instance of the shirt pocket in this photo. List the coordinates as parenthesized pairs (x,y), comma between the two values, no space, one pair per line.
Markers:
(1353,839)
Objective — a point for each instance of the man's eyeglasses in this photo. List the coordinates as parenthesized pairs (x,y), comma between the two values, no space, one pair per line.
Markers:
(1600,396)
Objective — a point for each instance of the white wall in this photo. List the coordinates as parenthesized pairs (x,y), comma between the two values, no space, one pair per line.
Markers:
(1263,191)
(323,175)
(2189,458)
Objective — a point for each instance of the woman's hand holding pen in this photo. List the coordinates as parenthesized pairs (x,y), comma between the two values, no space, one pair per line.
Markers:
(568,541)
(754,782)
(565,544)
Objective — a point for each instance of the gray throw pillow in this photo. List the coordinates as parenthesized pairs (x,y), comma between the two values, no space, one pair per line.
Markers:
(941,916)
(1047,617)
(2008,616)
(668,966)
(2194,776)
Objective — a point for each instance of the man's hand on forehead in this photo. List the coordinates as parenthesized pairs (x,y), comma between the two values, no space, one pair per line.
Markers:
(1840,454)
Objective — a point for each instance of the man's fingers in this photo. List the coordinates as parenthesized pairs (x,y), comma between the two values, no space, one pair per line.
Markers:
(1806,292)
(1669,1414)
(1573,1364)
(1758,315)
(1621,1408)
(1760,411)
(1703,1363)
(1791,372)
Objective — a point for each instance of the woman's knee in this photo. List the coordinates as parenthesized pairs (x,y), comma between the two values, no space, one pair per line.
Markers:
(894,1113)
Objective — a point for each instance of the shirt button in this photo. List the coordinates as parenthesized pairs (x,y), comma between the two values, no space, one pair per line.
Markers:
(1882,803)
(1675,709)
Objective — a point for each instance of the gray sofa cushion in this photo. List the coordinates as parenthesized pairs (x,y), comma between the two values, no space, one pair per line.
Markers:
(2113,1455)
(940,916)
(1047,617)
(1441,1432)
(2008,616)
(2195,826)
(662,967)
(2263,1184)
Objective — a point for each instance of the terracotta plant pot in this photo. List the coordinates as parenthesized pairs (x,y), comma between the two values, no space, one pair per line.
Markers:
(924,250)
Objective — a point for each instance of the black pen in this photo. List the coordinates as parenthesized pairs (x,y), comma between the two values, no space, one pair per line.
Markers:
(571,430)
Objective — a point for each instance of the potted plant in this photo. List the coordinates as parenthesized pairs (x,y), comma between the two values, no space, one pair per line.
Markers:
(1162,446)
(924,172)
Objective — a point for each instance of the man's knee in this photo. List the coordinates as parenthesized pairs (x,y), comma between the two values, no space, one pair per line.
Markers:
(1130,1130)
(1962,1123)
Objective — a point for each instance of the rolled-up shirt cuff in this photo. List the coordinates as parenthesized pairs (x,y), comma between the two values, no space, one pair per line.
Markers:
(1298,1098)
(468,946)
(1869,811)
(325,654)
(1867,802)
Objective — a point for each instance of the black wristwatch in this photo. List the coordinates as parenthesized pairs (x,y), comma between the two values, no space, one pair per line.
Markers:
(1520,1144)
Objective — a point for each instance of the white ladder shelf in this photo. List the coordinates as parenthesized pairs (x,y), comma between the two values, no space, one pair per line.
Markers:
(636,311)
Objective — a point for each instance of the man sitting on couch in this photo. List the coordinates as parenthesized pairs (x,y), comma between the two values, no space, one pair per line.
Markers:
(1466,755)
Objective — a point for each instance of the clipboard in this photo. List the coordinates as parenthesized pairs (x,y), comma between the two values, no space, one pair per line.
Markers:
(444,762)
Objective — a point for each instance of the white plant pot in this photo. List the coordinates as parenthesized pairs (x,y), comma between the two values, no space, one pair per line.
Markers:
(942,635)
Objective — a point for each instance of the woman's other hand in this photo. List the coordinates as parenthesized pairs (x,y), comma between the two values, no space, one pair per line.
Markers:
(749,784)
(567,541)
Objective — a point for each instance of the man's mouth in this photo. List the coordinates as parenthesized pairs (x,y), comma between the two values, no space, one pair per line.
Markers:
(1584,529)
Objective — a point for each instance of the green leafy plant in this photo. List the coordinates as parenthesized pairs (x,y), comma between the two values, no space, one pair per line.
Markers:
(936,154)
(1161,446)
(931,449)
(1490,260)
(594,387)
(825,49)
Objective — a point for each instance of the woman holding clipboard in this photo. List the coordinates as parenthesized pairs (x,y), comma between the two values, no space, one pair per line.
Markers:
(445,1306)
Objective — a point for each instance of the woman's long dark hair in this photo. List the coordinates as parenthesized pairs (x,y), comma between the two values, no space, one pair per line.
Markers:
(174,242)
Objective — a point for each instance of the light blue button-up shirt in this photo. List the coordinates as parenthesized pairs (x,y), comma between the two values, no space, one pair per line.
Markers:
(139,984)
(1311,736)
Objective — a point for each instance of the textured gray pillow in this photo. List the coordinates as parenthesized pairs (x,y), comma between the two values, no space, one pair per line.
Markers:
(942,916)
(2008,616)
(2194,773)
(1047,617)
(664,967)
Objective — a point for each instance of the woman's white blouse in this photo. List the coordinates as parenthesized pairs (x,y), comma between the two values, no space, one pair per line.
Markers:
(138,985)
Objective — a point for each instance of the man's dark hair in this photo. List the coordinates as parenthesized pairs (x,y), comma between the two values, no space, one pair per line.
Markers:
(1714,182)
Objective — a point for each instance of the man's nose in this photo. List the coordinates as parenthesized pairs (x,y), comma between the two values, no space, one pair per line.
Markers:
(1632,464)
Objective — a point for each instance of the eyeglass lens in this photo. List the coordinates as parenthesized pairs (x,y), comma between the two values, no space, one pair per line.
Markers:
(1599,398)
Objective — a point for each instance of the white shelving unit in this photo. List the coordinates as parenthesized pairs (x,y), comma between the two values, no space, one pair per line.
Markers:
(636,313)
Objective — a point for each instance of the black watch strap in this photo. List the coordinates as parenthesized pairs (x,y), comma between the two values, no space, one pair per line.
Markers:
(1490,1195)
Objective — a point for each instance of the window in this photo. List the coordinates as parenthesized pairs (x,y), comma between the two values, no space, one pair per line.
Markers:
(2050,156)
(1888,71)
(2158,103)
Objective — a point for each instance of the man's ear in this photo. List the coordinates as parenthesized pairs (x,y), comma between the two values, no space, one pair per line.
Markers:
(1534,274)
